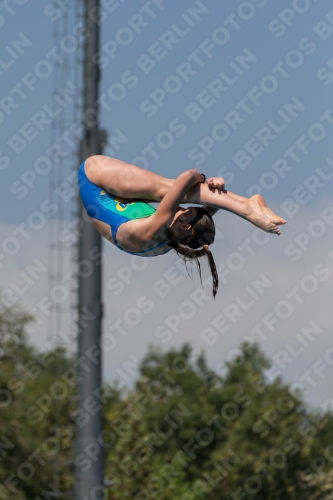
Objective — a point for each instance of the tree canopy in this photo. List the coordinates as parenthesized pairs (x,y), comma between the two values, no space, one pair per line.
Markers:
(183,432)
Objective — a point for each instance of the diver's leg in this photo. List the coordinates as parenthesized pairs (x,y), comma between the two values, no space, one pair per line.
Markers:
(125,180)
(247,208)
(128,181)
(265,208)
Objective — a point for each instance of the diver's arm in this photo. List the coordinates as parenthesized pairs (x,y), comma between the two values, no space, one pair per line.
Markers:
(170,204)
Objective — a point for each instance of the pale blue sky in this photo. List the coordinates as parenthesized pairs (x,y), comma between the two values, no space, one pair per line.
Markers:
(301,53)
(254,35)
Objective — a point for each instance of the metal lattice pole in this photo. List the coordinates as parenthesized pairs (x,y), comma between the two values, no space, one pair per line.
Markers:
(89,480)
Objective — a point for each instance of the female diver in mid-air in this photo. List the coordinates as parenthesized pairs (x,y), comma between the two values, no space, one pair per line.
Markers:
(116,195)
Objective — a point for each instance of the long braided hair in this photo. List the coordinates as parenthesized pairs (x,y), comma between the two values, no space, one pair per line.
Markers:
(196,244)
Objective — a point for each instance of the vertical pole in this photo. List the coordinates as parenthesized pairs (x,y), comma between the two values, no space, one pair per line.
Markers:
(89,483)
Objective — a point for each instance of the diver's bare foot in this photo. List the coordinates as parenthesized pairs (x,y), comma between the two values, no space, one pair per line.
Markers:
(256,215)
(267,211)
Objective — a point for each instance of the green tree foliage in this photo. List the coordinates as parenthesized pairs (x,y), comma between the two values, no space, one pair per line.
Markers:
(36,429)
(187,432)
(184,432)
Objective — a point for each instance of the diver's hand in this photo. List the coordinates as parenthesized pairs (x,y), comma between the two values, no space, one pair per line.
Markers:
(196,177)
(216,183)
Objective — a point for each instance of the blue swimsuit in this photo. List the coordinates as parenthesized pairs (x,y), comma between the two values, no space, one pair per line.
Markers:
(113,210)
